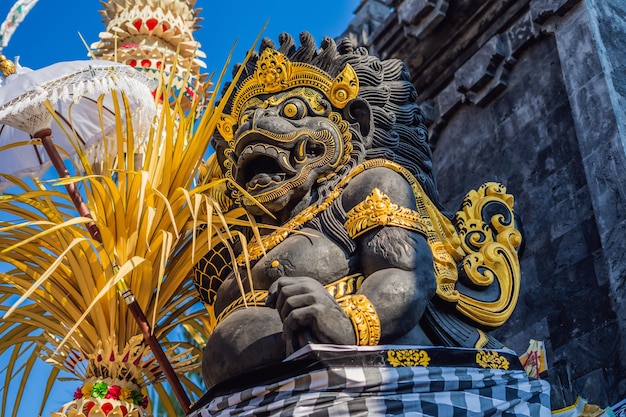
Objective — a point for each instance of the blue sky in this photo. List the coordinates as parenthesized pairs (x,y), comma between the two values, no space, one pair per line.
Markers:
(49,34)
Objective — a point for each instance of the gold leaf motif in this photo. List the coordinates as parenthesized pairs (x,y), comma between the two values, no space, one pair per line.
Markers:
(273,70)
(378,210)
(491,359)
(408,357)
(344,88)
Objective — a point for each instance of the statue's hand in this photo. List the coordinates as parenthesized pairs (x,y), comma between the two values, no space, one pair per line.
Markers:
(309,313)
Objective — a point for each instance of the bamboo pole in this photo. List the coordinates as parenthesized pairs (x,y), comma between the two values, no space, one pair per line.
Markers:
(45,135)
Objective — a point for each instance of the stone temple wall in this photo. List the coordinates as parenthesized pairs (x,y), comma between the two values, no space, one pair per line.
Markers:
(532,94)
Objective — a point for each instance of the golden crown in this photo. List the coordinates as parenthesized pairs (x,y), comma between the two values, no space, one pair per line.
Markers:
(275,73)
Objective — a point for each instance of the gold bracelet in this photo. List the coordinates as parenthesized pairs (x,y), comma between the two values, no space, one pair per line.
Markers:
(364,319)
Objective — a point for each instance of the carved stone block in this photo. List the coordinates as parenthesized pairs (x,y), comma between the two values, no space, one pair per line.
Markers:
(521,34)
(429,110)
(485,73)
(420,17)
(544,9)
(448,100)
(368,17)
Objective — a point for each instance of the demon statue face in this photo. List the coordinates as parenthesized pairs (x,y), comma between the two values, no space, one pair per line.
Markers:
(285,133)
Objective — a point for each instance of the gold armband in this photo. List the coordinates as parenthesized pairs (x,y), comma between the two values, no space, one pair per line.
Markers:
(364,319)
(378,210)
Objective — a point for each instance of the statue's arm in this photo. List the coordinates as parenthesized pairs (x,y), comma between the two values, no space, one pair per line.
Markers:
(399,283)
(393,253)
(399,280)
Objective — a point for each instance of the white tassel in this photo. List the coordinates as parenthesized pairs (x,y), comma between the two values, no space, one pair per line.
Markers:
(54,95)
(65,93)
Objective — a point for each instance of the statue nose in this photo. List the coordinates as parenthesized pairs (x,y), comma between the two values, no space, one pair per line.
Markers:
(271,111)
(261,115)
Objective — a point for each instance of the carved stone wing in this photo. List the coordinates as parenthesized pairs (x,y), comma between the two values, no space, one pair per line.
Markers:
(489,274)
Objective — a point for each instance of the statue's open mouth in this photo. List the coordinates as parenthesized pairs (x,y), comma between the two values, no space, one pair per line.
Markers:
(268,161)
(262,166)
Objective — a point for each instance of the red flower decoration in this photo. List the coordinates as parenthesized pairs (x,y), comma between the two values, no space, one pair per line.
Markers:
(78,394)
(114,392)
(106,408)
(151,23)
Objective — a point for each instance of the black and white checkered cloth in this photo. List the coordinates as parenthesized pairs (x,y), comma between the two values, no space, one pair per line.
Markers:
(390,391)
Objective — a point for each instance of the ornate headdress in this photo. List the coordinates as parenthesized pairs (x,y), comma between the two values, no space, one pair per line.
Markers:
(275,73)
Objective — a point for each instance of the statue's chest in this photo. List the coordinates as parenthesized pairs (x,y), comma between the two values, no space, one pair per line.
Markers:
(305,253)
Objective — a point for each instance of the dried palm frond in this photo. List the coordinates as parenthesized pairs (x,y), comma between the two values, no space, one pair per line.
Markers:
(59,297)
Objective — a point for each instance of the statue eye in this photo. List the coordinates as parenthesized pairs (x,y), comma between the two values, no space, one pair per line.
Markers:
(294,109)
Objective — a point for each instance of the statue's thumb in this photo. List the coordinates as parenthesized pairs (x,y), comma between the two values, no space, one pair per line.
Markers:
(271,299)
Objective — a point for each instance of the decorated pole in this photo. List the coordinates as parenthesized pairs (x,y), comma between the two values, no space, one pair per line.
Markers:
(16,15)
(35,119)
(135,309)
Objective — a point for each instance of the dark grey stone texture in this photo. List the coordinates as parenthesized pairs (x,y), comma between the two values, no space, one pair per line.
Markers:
(419,17)
(532,94)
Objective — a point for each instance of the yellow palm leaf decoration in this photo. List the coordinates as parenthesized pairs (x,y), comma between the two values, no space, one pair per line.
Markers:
(59,298)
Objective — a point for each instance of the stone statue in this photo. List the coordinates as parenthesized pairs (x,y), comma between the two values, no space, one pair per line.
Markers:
(327,148)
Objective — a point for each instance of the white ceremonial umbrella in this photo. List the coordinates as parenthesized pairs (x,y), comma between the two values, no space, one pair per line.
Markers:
(81,93)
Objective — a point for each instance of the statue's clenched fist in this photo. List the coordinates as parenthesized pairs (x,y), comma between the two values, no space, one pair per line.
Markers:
(309,313)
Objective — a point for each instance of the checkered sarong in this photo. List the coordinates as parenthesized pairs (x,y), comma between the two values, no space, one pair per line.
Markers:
(388,391)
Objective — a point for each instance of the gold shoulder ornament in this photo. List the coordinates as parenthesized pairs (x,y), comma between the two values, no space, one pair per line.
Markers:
(378,210)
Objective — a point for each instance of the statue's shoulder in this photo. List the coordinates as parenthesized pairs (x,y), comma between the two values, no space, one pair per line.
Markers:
(386,181)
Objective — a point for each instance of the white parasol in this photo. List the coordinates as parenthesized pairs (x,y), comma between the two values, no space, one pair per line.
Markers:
(81,93)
